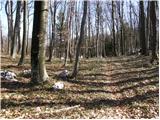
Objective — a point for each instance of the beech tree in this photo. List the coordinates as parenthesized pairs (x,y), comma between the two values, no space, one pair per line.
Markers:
(16,30)
(75,69)
(120,12)
(142,29)
(153,30)
(113,29)
(97,27)
(23,52)
(89,30)
(1,30)
(9,13)
(68,42)
(53,18)
(38,70)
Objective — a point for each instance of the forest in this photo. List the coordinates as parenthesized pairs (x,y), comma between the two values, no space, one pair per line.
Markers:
(79,59)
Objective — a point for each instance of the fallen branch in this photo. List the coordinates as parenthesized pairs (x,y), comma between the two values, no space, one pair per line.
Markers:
(59,110)
(65,109)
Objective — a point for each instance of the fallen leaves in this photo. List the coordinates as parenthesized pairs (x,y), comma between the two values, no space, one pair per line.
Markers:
(112,88)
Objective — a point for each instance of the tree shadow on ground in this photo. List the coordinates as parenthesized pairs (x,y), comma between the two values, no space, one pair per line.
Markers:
(113,92)
(148,71)
(5,104)
(15,85)
(89,104)
(121,90)
(128,59)
(130,67)
(121,102)
(116,83)
(20,68)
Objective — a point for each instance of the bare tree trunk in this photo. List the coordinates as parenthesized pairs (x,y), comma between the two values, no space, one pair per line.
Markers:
(75,70)
(19,41)
(77,26)
(53,17)
(23,52)
(86,41)
(16,30)
(148,28)
(39,74)
(97,27)
(117,28)
(61,28)
(89,29)
(9,13)
(120,10)
(153,29)
(1,35)
(102,39)
(27,41)
(68,44)
(131,27)
(142,29)
(113,29)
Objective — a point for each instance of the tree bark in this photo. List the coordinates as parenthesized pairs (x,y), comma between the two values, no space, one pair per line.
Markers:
(89,29)
(153,30)
(113,30)
(61,29)
(148,23)
(131,27)
(68,43)
(75,70)
(19,42)
(38,71)
(97,27)
(1,36)
(120,11)
(53,15)
(16,30)
(9,13)
(142,29)
(23,52)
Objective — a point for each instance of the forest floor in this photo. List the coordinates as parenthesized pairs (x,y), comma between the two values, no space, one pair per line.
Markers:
(115,87)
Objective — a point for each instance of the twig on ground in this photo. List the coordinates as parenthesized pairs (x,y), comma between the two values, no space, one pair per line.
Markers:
(65,109)
(60,110)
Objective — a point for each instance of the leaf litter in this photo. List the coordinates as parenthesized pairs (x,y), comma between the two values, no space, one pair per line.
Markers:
(121,87)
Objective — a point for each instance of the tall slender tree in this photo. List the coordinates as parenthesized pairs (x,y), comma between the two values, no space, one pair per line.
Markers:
(68,42)
(148,24)
(113,29)
(142,29)
(62,26)
(120,12)
(16,30)
(89,28)
(131,27)
(97,27)
(75,69)
(53,18)
(38,70)
(9,13)
(23,52)
(1,38)
(153,30)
